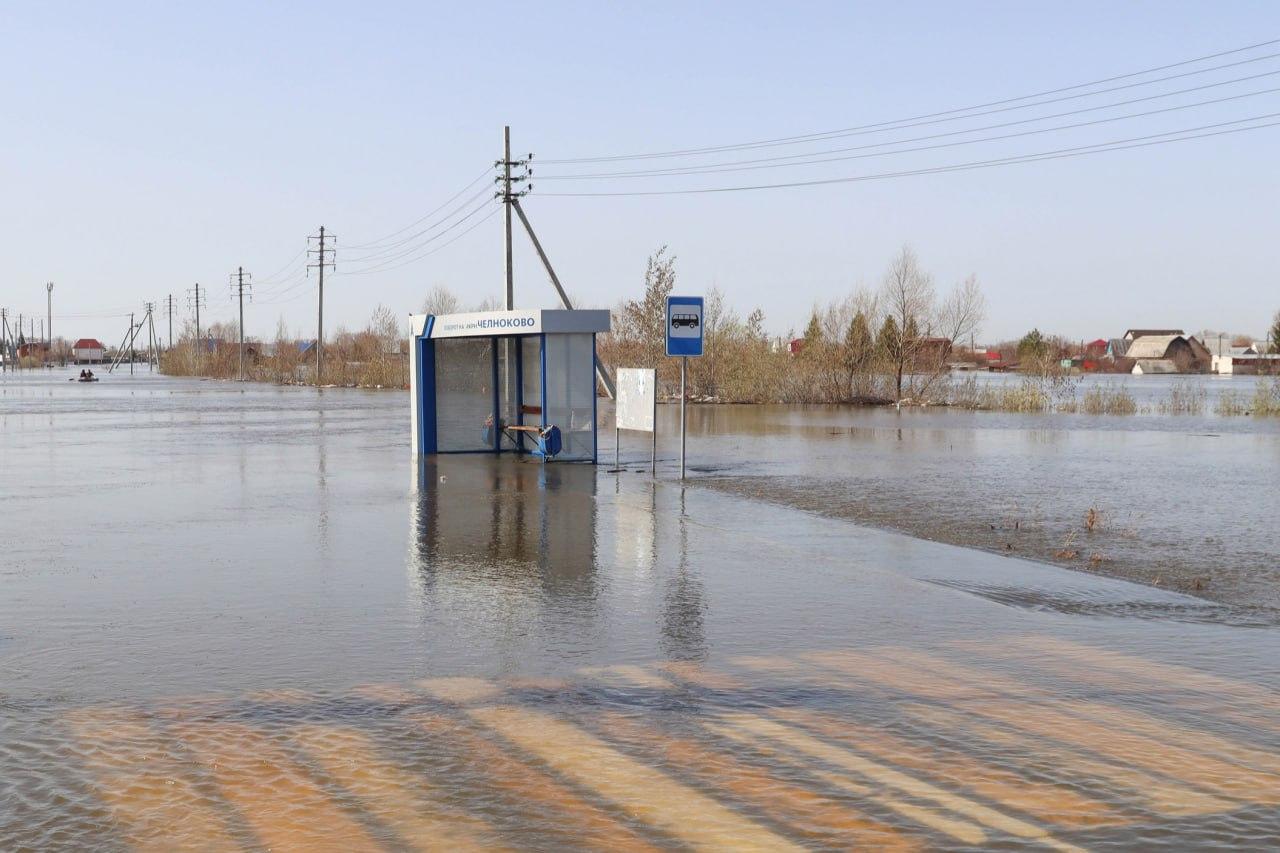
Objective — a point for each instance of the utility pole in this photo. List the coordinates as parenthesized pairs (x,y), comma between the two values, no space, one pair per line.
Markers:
(132,332)
(320,264)
(238,282)
(508,197)
(151,329)
(170,321)
(49,295)
(194,301)
(509,301)
(4,339)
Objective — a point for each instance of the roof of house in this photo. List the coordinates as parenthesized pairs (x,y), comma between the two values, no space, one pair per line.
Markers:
(1134,334)
(1100,343)
(1151,346)
(88,343)
(1117,347)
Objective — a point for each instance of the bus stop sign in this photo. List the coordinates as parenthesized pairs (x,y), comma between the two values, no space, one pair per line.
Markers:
(684,325)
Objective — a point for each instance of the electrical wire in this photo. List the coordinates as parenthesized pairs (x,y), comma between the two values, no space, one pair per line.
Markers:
(410,250)
(1097,148)
(279,272)
(398,249)
(295,297)
(443,245)
(376,243)
(292,283)
(945,115)
(769,164)
(776,162)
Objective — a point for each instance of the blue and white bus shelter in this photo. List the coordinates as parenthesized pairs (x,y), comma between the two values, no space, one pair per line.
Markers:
(506,381)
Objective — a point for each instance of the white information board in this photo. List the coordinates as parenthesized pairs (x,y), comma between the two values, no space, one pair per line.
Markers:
(636,407)
(637,398)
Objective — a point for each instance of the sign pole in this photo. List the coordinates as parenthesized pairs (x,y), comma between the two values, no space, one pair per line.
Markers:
(653,449)
(684,368)
(684,339)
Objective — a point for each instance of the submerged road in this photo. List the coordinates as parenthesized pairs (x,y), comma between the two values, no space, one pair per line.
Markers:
(238,617)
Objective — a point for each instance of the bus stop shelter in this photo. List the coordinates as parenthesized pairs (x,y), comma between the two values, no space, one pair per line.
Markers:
(506,381)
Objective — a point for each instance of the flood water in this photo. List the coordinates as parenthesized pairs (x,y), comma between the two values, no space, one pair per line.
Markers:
(240,617)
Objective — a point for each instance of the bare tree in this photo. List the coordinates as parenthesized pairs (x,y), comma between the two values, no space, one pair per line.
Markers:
(907,297)
(441,300)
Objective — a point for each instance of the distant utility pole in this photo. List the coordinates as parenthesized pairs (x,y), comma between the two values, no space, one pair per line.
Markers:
(238,283)
(170,312)
(4,339)
(194,301)
(320,264)
(49,296)
(151,336)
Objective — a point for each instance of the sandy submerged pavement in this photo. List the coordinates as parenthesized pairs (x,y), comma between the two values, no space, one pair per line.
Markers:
(283,636)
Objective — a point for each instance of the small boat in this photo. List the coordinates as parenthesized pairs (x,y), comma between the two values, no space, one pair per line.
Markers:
(83,379)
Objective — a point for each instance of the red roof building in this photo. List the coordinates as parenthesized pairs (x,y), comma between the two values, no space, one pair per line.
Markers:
(88,351)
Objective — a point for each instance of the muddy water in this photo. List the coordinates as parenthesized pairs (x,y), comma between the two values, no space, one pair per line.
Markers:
(236,617)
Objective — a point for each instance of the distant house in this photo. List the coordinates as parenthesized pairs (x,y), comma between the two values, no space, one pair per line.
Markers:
(1225,362)
(932,350)
(1186,354)
(88,351)
(1095,349)
(1117,347)
(795,346)
(33,349)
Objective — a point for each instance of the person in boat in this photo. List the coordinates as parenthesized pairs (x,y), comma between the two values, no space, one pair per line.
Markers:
(90,375)
(84,374)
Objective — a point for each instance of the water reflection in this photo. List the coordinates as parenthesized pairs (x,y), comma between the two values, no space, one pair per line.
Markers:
(506,523)
(684,604)
(478,509)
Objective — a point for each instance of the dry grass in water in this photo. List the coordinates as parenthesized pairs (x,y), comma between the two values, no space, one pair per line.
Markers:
(1185,398)
(1108,400)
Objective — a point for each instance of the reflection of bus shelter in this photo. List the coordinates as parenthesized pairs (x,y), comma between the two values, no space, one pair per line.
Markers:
(495,381)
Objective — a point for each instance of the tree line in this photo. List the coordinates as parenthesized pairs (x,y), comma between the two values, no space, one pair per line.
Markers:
(884,345)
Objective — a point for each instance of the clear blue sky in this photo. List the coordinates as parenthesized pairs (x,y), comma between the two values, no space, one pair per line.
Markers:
(150,146)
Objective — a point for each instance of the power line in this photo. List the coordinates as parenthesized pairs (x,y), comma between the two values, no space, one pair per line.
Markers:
(270,279)
(1097,148)
(799,159)
(375,243)
(286,283)
(492,213)
(947,115)
(398,248)
(294,298)
(381,262)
